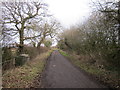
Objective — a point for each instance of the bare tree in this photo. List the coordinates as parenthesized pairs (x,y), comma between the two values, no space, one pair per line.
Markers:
(50,28)
(17,16)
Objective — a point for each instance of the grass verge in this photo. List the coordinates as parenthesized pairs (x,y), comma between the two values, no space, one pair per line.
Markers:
(109,78)
(24,76)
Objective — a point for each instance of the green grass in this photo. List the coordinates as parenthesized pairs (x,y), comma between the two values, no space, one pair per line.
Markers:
(64,53)
(24,76)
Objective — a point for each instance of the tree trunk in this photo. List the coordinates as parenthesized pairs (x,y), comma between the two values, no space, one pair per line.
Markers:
(21,33)
(38,46)
(40,42)
(21,46)
(119,22)
(66,43)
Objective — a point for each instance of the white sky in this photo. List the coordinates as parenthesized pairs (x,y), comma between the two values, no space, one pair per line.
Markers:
(69,12)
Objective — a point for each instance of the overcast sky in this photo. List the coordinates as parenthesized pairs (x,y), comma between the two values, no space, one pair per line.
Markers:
(69,12)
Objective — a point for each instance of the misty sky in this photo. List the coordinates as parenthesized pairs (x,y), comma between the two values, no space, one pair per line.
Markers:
(69,12)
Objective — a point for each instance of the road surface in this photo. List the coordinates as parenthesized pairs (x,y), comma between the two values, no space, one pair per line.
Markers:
(60,73)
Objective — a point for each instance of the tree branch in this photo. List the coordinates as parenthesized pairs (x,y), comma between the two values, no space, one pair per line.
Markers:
(25,38)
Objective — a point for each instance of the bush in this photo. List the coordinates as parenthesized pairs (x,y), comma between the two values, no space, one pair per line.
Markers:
(34,51)
(7,54)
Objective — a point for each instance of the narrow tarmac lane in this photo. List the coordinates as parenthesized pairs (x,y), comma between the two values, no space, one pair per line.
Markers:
(60,73)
